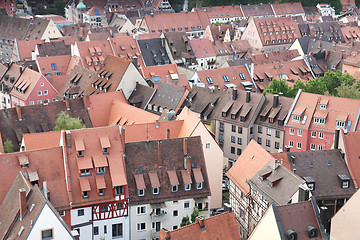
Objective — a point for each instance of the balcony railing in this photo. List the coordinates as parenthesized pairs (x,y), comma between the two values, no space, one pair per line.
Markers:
(157,217)
(155,234)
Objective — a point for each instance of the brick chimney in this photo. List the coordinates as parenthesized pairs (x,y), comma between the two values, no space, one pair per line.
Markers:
(122,133)
(164,234)
(18,111)
(200,221)
(68,138)
(159,160)
(185,143)
(22,202)
(86,100)
(168,133)
(67,104)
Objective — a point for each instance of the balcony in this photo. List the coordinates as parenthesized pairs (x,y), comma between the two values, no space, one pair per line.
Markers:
(155,234)
(158,216)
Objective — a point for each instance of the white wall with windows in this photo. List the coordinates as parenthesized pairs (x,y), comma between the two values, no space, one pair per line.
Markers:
(79,218)
(146,220)
(111,228)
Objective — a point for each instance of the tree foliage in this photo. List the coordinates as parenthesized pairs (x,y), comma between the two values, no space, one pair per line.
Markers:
(8,146)
(194,214)
(185,221)
(65,122)
(335,83)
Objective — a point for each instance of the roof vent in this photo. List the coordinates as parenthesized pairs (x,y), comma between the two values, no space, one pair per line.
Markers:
(291,234)
(312,231)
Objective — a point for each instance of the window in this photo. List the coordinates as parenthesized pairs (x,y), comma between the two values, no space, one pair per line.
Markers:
(226,78)
(100,170)
(240,130)
(322,106)
(84,172)
(47,234)
(117,230)
(141,210)
(86,194)
(296,118)
(345,184)
(259,140)
(187,187)
(141,192)
(320,147)
(292,131)
(31,102)
(313,134)
(259,129)
(310,186)
(221,127)
(277,134)
(175,227)
(239,141)
(175,213)
(298,145)
(340,124)
(174,188)
(155,190)
(80,154)
(101,192)
(103,208)
(105,229)
(300,133)
(320,121)
(232,150)
(39,93)
(277,145)
(119,190)
(268,131)
(238,151)
(156,226)
(62,213)
(186,205)
(251,130)
(291,143)
(199,185)
(207,145)
(53,66)
(321,135)
(106,151)
(45,92)
(312,146)
(268,142)
(233,128)
(209,80)
(233,139)
(80,212)
(242,76)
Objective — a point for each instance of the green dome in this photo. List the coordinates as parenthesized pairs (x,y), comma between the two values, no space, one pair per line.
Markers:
(81,5)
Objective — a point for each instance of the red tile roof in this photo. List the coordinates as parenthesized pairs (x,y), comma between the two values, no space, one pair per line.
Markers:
(222,226)
(89,55)
(288,8)
(350,33)
(33,141)
(25,48)
(221,11)
(352,151)
(202,48)
(127,48)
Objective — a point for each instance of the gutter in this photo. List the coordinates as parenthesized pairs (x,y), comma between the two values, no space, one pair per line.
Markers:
(357,120)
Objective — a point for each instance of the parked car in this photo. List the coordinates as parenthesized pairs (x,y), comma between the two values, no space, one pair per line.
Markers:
(225,185)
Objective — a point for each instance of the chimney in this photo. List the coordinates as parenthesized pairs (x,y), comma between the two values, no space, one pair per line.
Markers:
(156,122)
(135,62)
(185,143)
(22,202)
(168,133)
(86,100)
(248,96)
(326,54)
(216,87)
(234,93)
(45,190)
(18,111)
(68,138)
(159,160)
(200,221)
(336,140)
(187,163)
(164,234)
(276,101)
(292,159)
(281,94)
(122,133)
(67,104)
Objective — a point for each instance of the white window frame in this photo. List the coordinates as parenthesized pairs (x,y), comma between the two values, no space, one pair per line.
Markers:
(313,134)
(320,121)
(292,131)
(345,184)
(323,106)
(39,93)
(85,172)
(298,145)
(312,146)
(320,147)
(100,170)
(186,202)
(141,210)
(187,187)
(299,133)
(268,131)
(141,192)
(46,92)
(321,135)
(139,227)
(296,118)
(207,145)
(291,143)
(174,188)
(340,124)
(156,190)
(199,185)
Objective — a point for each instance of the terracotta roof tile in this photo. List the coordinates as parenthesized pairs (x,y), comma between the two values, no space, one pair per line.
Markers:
(100,182)
(174,181)
(84,184)
(139,179)
(198,175)
(154,180)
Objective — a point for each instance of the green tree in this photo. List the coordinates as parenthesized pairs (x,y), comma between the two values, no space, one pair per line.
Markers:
(8,146)
(277,86)
(194,214)
(185,221)
(316,86)
(298,85)
(348,91)
(65,122)
(60,7)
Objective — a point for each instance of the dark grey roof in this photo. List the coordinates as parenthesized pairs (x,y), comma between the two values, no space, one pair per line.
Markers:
(179,46)
(153,52)
(48,49)
(304,43)
(239,62)
(326,31)
(167,95)
(323,167)
(141,96)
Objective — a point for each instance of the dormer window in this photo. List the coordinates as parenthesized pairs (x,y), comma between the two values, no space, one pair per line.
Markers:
(156,190)
(119,190)
(141,192)
(323,106)
(85,194)
(310,182)
(199,185)
(101,192)
(80,153)
(344,180)
(320,121)
(174,188)
(296,118)
(85,172)
(340,124)
(106,151)
(101,170)
(187,187)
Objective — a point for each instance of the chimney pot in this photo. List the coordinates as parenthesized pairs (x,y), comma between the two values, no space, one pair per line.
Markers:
(22,201)
(18,111)
(68,138)
(200,221)
(67,104)
(234,95)
(185,143)
(276,101)
(248,96)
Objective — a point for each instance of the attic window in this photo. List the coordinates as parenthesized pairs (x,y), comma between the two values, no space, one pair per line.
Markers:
(340,124)
(226,78)
(344,180)
(141,192)
(156,190)
(80,154)
(310,182)
(322,121)
(296,118)
(84,172)
(322,106)
(242,76)
(174,188)
(119,190)
(187,187)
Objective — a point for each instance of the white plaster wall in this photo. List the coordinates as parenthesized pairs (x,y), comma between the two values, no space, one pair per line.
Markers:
(51,31)
(108,223)
(267,227)
(128,82)
(48,220)
(75,219)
